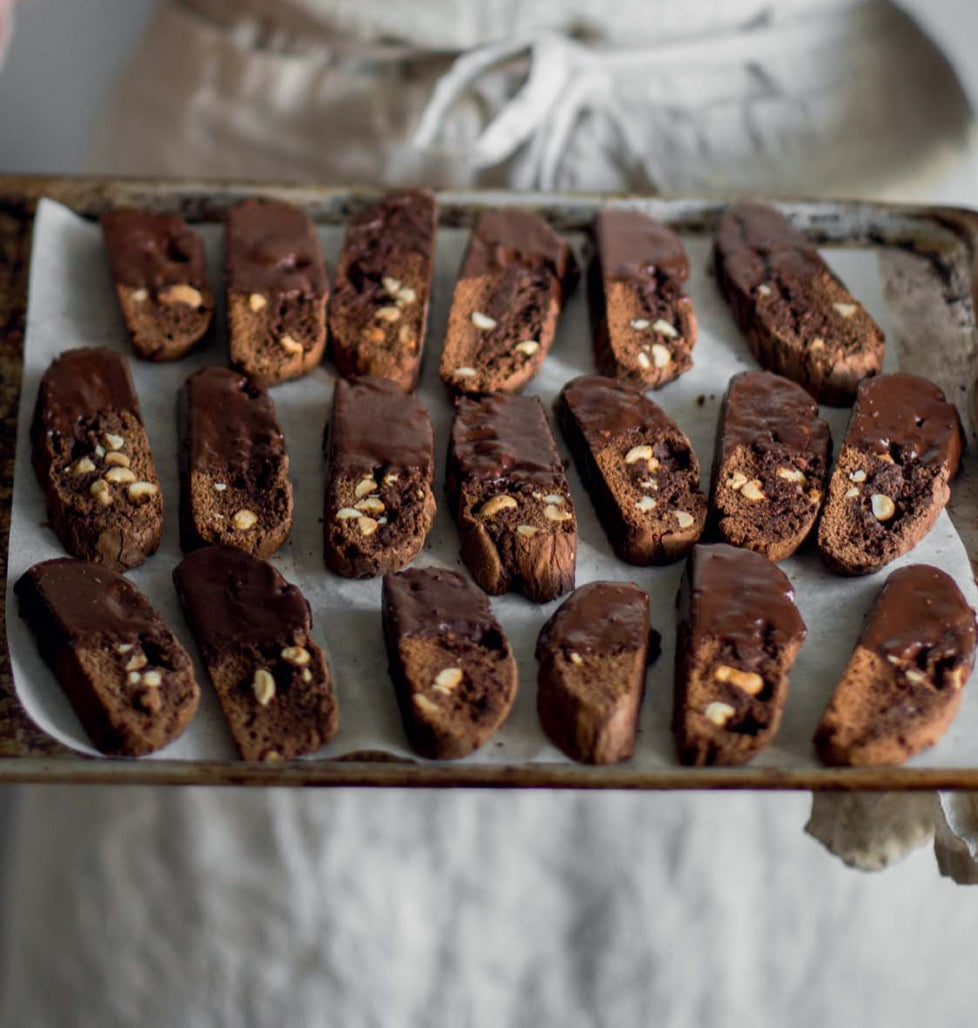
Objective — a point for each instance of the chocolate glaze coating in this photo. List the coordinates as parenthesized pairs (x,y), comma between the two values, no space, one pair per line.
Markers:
(598,618)
(505,237)
(604,408)
(153,250)
(379,232)
(630,245)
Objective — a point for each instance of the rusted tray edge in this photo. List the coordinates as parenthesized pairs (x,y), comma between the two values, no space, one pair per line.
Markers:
(29,755)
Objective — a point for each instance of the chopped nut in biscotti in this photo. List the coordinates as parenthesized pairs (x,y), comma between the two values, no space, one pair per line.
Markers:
(87,408)
(234,469)
(254,632)
(453,671)
(902,447)
(379,310)
(738,635)
(799,318)
(902,685)
(101,637)
(642,323)
(770,465)
(514,279)
(160,275)
(592,653)
(379,505)
(272,251)
(638,467)
(510,497)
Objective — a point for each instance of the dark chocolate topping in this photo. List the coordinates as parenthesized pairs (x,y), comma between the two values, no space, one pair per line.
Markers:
(741,598)
(919,609)
(499,434)
(375,422)
(632,245)
(230,597)
(758,242)
(435,601)
(599,617)
(400,222)
(272,248)
(765,410)
(507,237)
(153,250)
(605,408)
(908,413)
(83,382)
(230,423)
(88,600)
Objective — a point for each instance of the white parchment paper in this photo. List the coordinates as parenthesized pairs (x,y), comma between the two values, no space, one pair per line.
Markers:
(72,303)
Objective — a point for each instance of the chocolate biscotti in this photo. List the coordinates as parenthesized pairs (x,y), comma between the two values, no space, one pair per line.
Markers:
(254,632)
(234,471)
(642,324)
(378,505)
(160,275)
(128,678)
(92,459)
(770,465)
(508,298)
(799,318)
(638,466)
(452,668)
(510,497)
(276,291)
(738,633)
(591,678)
(903,683)
(378,313)
(901,449)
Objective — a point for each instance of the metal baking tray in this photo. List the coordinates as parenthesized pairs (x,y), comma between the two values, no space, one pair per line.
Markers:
(929,257)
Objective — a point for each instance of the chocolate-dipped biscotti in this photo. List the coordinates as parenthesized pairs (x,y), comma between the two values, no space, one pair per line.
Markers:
(254,632)
(738,635)
(642,323)
(453,671)
(510,497)
(799,318)
(638,467)
(508,298)
(276,291)
(160,275)
(92,459)
(128,678)
(380,462)
(234,471)
(378,313)
(904,681)
(901,449)
(591,678)
(770,465)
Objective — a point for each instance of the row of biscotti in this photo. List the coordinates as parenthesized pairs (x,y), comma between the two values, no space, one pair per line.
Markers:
(506,480)
(132,685)
(799,317)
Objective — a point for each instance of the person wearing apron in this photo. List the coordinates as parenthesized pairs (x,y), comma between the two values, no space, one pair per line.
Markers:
(208,908)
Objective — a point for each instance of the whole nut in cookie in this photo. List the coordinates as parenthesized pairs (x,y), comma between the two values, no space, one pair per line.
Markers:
(737,481)
(297,655)
(528,347)
(718,713)
(388,313)
(101,491)
(257,302)
(576,658)
(263,686)
(646,503)
(112,442)
(640,324)
(244,519)
(119,474)
(464,372)
(449,678)
(140,492)
(661,355)
(139,295)
(290,345)
(791,475)
(664,328)
(857,476)
(643,360)
(153,678)
(749,681)
(554,513)
(136,662)
(82,466)
(527,530)
(391,285)
(554,498)
(883,507)
(364,487)
(366,525)
(116,459)
(406,296)
(685,519)
(752,490)
(496,504)
(371,504)
(182,293)
(345,513)
(483,321)
(846,310)
(637,453)
(425,705)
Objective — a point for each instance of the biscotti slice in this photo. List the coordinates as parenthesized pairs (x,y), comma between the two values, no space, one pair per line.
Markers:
(506,303)
(380,463)
(93,461)
(234,471)
(378,313)
(904,680)
(770,465)
(799,318)
(738,635)
(276,291)
(591,678)
(254,632)
(450,662)
(160,275)
(638,467)
(902,447)
(510,497)
(128,678)
(642,324)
